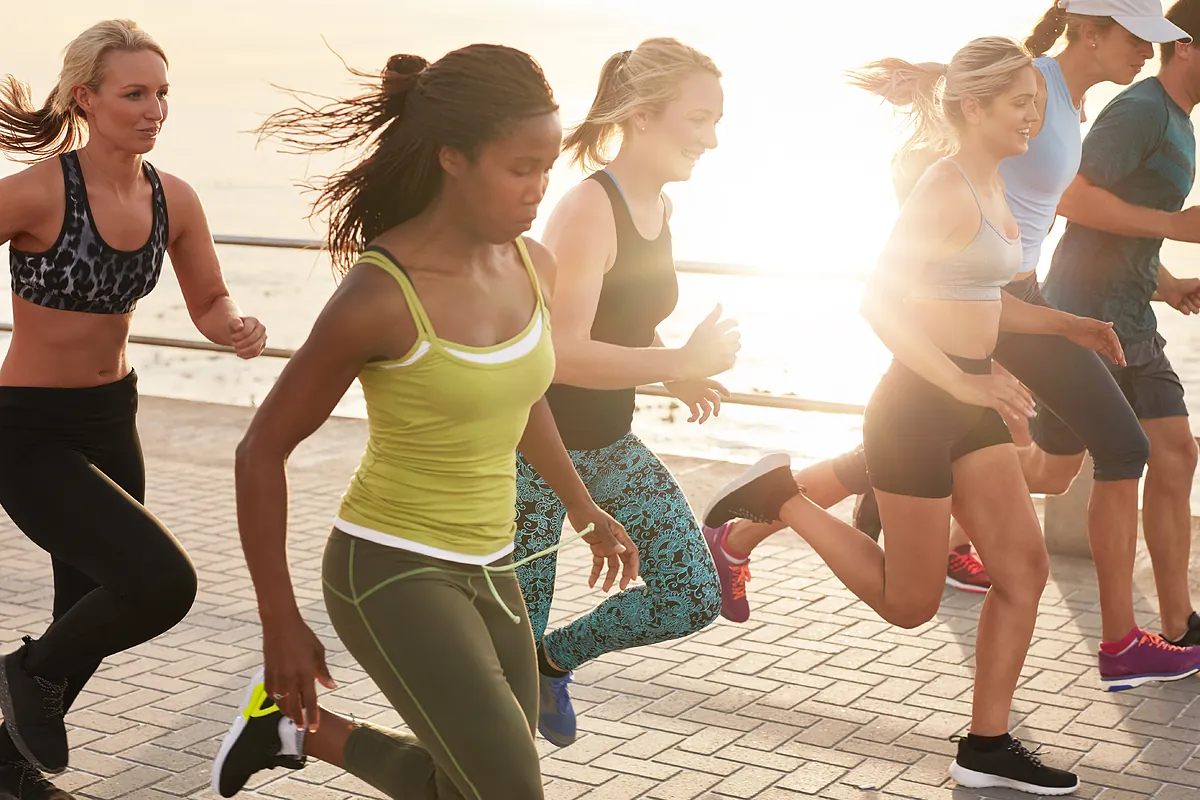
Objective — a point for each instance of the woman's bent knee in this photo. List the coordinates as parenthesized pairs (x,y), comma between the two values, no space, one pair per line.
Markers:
(1121,458)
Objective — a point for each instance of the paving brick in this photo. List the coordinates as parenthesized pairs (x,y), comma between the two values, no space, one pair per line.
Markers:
(815,696)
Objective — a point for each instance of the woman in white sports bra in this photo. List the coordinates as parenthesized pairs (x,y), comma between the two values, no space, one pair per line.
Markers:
(934,431)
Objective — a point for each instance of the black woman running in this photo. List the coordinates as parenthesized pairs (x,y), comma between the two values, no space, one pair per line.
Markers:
(933,431)
(88,228)
(441,317)
(611,237)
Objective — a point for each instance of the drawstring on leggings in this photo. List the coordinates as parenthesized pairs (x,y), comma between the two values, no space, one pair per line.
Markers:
(488,569)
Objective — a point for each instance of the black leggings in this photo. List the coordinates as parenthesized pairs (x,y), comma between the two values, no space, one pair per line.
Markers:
(1073,384)
(73,480)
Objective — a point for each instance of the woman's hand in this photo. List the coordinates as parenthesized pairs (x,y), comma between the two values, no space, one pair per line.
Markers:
(248,336)
(1002,392)
(702,397)
(1098,336)
(610,545)
(293,661)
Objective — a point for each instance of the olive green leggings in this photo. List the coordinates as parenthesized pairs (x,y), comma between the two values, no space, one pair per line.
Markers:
(444,650)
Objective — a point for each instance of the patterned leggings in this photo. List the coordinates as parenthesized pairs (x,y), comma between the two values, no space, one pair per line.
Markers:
(681,592)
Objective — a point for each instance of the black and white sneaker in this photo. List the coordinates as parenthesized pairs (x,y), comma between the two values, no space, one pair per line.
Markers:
(866,515)
(33,712)
(1009,767)
(261,737)
(20,780)
(757,494)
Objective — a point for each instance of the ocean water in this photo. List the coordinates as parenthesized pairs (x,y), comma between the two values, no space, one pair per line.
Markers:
(799,185)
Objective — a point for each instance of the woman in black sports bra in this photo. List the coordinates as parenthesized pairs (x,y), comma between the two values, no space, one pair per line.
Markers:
(88,230)
(616,282)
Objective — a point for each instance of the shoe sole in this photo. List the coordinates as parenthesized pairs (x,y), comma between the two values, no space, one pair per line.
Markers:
(554,738)
(982,780)
(1122,684)
(966,587)
(6,706)
(764,465)
(235,730)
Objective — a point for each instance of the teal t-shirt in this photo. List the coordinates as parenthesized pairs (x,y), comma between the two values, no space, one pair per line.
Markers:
(1142,148)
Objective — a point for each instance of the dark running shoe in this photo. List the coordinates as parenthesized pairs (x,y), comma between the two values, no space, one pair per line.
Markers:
(1192,637)
(20,780)
(866,515)
(33,712)
(261,737)
(1009,767)
(757,494)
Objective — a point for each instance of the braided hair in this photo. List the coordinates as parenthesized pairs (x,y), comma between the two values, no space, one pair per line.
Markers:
(469,97)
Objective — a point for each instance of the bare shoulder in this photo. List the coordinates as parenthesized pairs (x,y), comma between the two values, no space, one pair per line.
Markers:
(179,193)
(544,263)
(942,187)
(36,187)
(668,206)
(585,203)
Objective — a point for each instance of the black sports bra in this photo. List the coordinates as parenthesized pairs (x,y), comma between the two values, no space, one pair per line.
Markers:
(80,271)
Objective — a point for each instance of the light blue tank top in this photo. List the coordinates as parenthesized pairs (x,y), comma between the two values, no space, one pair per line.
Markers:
(1035,181)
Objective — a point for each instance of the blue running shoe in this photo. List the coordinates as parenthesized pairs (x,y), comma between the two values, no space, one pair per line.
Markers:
(556,715)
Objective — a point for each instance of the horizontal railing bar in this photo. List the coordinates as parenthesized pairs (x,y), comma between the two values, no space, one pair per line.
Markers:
(691,267)
(736,398)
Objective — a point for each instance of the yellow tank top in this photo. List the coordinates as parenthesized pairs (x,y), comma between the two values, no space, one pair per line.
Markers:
(439,473)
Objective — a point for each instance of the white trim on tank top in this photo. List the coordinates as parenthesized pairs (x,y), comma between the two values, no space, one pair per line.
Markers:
(517,350)
(400,543)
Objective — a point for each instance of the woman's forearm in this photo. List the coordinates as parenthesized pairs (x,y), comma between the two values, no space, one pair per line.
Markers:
(215,322)
(599,365)
(1017,316)
(900,333)
(543,448)
(261,484)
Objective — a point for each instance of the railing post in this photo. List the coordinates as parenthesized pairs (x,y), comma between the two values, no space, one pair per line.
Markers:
(1066,516)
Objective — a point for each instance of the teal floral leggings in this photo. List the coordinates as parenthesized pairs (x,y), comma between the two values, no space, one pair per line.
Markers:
(680,593)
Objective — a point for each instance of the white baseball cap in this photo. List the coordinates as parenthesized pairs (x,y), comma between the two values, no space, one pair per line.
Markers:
(1143,18)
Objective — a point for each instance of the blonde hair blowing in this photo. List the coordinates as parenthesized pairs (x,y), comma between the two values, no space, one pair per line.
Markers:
(648,77)
(59,125)
(934,92)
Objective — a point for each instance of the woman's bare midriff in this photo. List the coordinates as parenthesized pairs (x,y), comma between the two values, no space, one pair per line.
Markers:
(964,328)
(64,349)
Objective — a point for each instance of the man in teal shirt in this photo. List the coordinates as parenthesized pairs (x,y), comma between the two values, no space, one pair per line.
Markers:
(1138,167)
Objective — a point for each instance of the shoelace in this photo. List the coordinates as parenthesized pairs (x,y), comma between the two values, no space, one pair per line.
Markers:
(1021,751)
(967,563)
(52,695)
(741,576)
(1154,640)
(1015,747)
(562,697)
(29,778)
(52,691)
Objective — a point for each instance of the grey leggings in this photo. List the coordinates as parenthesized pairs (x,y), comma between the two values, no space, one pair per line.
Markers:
(447,655)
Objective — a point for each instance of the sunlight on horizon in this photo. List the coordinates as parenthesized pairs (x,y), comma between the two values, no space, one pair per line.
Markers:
(799,183)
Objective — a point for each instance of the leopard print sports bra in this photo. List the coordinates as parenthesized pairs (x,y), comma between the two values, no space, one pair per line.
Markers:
(80,271)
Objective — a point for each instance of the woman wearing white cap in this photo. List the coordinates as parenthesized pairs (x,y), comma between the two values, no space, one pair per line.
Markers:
(1107,40)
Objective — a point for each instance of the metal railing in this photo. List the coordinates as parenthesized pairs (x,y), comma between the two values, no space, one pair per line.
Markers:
(1065,515)
(690,267)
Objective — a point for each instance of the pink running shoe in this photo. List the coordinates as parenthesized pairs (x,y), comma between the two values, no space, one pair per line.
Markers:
(1147,660)
(734,575)
(965,571)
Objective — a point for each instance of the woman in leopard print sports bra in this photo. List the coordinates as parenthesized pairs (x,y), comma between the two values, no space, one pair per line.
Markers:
(88,230)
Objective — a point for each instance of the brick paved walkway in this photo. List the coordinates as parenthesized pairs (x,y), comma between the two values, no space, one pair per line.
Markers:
(815,697)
